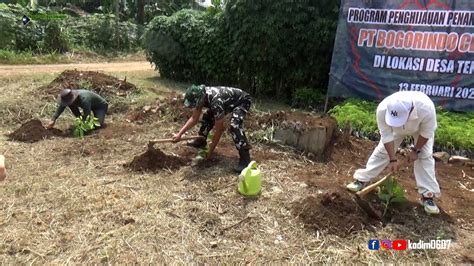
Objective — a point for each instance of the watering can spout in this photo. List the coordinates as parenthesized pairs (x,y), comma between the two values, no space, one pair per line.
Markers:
(250,180)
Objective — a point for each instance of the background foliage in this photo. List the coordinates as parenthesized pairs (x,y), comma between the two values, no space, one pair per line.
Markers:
(455,132)
(269,48)
(98,32)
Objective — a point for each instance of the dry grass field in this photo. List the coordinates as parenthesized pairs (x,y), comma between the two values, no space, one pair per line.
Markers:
(71,200)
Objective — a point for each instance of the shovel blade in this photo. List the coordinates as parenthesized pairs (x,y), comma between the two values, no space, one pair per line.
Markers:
(365,206)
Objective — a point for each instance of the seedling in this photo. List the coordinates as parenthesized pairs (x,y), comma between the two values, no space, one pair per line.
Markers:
(203,152)
(81,126)
(391,192)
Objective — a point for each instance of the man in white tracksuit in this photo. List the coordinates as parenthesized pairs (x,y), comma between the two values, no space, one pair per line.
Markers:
(405,113)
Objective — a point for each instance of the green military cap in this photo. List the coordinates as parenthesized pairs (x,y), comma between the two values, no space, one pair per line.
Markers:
(194,96)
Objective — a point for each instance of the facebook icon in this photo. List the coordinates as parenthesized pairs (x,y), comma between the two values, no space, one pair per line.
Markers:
(374,244)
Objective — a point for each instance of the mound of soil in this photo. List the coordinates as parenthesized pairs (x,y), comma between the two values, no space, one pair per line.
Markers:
(154,160)
(171,107)
(332,212)
(259,120)
(99,82)
(33,131)
(294,120)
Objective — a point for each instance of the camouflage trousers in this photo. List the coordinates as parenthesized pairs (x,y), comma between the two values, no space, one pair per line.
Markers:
(236,124)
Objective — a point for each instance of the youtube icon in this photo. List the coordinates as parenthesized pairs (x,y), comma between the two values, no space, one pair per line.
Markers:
(399,244)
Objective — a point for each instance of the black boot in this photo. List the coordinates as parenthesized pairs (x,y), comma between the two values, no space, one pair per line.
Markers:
(198,143)
(243,161)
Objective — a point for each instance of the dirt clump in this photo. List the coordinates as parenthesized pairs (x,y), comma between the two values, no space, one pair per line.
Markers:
(171,107)
(259,120)
(33,131)
(99,82)
(288,120)
(332,212)
(154,160)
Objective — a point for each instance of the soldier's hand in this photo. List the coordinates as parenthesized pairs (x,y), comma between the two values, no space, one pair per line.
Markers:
(176,138)
(50,125)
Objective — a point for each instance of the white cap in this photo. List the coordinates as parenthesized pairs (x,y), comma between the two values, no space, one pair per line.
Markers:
(398,111)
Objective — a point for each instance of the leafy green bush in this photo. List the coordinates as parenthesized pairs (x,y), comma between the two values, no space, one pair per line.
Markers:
(97,32)
(279,46)
(308,97)
(455,130)
(7,28)
(82,127)
(266,48)
(189,45)
(55,38)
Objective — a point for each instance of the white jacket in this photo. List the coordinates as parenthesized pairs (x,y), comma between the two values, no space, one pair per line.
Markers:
(422,120)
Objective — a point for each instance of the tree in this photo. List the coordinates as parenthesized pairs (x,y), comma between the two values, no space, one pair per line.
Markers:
(141,12)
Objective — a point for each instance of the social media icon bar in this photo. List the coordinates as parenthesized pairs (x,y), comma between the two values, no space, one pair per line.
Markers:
(399,244)
(386,244)
(374,244)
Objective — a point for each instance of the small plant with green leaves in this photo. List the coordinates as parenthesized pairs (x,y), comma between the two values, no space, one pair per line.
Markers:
(203,152)
(82,127)
(391,192)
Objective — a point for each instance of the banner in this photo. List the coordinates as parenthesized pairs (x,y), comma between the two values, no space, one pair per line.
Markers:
(396,45)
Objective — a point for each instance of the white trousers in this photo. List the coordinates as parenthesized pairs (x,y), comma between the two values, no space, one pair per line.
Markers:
(424,167)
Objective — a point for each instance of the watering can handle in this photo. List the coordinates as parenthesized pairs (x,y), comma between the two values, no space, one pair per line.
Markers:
(253,165)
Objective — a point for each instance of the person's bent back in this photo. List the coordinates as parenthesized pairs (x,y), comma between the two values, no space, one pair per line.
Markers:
(88,101)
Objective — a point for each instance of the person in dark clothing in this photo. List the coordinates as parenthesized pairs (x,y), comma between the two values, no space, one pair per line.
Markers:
(87,100)
(219,102)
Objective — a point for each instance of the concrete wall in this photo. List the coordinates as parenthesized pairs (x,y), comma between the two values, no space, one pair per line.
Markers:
(314,139)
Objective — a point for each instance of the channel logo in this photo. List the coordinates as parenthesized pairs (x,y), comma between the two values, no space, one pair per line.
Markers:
(385,244)
(399,244)
(374,244)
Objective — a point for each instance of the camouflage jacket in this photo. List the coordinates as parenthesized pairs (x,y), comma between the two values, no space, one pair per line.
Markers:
(87,100)
(222,100)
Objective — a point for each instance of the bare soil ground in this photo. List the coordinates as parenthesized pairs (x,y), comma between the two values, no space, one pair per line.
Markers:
(109,199)
(14,70)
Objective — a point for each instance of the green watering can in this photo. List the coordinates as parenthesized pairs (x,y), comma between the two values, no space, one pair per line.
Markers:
(250,180)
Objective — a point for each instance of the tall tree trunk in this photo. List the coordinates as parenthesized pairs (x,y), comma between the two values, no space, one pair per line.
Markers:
(141,12)
(117,19)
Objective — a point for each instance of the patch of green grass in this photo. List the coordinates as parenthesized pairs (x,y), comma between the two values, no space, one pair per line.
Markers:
(78,55)
(17,58)
(359,114)
(455,130)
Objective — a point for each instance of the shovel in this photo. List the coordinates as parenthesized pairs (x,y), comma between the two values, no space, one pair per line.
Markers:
(153,142)
(364,204)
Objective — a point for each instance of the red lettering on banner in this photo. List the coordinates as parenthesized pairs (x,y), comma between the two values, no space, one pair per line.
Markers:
(381,34)
(464,42)
(399,39)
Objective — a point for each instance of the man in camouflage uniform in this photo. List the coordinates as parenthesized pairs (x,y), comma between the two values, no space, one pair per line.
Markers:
(219,102)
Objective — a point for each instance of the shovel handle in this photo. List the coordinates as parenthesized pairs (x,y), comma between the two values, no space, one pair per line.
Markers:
(151,142)
(371,187)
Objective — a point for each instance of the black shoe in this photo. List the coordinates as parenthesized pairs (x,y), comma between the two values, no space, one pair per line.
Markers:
(200,143)
(243,161)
